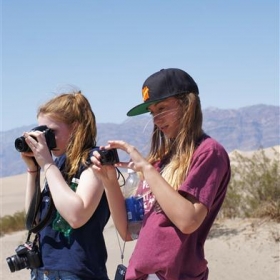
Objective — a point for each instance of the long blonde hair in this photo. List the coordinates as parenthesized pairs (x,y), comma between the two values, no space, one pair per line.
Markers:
(178,152)
(74,110)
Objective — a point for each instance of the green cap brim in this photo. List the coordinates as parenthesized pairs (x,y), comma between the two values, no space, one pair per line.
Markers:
(141,108)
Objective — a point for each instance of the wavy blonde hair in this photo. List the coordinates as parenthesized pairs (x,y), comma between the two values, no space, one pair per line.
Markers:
(74,110)
(178,152)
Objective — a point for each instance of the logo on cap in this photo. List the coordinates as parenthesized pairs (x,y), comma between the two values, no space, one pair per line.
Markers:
(145,93)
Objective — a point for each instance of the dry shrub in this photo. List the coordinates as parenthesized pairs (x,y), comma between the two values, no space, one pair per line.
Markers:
(254,188)
(13,223)
(268,209)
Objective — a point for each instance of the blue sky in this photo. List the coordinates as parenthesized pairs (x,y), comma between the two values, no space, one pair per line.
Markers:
(108,48)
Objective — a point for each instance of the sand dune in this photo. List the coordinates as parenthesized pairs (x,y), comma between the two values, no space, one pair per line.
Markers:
(236,249)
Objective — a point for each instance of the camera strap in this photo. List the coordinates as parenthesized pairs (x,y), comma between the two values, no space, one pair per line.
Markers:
(121,268)
(121,248)
(120,177)
(31,224)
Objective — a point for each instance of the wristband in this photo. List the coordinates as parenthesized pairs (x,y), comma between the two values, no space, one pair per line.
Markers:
(32,171)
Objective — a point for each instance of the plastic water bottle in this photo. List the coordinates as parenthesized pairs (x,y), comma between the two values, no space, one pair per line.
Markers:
(133,203)
(59,223)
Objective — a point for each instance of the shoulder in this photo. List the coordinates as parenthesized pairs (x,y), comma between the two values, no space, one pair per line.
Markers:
(209,143)
(84,165)
(210,148)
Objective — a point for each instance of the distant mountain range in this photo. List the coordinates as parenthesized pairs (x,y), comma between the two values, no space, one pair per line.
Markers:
(246,129)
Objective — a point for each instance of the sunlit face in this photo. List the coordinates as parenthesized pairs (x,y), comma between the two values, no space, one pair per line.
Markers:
(62,133)
(166,115)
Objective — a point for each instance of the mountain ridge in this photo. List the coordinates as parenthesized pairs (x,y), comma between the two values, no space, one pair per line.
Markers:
(246,128)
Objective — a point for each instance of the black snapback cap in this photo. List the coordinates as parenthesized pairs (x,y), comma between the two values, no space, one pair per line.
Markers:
(163,84)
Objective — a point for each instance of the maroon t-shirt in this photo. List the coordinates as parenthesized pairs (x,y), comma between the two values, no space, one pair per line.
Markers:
(163,249)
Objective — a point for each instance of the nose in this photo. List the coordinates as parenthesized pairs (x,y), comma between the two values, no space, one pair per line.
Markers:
(157,119)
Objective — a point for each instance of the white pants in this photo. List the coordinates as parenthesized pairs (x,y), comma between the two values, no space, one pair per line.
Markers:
(152,277)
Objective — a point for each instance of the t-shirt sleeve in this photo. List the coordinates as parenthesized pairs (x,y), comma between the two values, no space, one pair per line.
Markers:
(209,166)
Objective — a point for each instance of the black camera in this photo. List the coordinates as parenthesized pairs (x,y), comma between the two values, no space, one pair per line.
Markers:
(21,145)
(109,157)
(27,257)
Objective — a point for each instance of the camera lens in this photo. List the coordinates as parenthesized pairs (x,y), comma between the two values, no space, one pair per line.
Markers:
(16,263)
(21,145)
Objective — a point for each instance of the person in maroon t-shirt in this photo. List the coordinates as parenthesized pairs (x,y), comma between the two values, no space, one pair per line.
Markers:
(185,179)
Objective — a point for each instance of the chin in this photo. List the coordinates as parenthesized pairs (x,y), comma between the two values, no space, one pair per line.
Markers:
(169,135)
(56,153)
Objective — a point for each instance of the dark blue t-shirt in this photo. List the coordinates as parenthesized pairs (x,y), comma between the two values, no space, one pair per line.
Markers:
(84,252)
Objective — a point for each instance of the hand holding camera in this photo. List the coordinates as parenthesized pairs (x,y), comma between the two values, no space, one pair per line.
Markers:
(36,145)
(108,157)
(21,145)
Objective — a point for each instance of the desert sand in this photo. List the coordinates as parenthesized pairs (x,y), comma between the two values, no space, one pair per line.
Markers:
(236,249)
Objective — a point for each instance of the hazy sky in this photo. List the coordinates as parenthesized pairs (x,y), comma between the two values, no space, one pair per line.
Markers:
(108,48)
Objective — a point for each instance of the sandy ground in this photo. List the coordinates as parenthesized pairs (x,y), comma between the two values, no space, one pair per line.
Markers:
(235,249)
